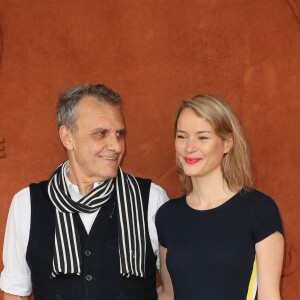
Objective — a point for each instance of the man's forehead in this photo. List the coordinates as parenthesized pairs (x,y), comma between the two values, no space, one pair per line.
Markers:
(100,115)
(91,105)
(92,101)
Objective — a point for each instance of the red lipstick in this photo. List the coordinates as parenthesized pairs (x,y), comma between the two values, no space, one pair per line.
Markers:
(191,160)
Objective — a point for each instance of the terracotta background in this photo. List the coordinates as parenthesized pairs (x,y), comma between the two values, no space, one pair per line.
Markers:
(155,53)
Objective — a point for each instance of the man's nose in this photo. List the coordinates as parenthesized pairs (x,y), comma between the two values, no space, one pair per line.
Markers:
(115,143)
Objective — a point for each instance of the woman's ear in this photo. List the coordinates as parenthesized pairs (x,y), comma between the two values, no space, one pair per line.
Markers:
(228,144)
(66,137)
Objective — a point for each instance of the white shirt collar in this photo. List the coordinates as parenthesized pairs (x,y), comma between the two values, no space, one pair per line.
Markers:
(73,188)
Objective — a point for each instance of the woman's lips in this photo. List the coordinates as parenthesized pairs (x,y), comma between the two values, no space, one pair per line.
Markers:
(191,160)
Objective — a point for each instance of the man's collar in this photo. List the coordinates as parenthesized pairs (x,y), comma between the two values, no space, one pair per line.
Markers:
(74,187)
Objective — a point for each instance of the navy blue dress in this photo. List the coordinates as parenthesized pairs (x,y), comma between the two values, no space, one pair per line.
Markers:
(211,253)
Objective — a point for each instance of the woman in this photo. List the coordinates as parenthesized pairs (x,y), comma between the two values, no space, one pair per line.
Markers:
(223,239)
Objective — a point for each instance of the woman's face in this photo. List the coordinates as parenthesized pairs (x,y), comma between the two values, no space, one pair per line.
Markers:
(199,150)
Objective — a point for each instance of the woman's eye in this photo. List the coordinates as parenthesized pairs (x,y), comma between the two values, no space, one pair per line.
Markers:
(180,137)
(203,138)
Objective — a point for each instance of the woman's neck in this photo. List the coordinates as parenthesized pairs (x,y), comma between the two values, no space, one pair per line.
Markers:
(209,192)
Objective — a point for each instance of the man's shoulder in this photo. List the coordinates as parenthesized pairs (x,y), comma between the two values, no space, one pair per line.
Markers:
(153,186)
(141,181)
(40,184)
(157,195)
(22,193)
(157,188)
(21,200)
(25,192)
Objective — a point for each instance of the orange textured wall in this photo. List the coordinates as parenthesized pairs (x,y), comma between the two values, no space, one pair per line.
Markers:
(155,53)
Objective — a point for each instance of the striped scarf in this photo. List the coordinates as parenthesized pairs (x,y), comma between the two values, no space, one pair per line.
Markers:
(132,237)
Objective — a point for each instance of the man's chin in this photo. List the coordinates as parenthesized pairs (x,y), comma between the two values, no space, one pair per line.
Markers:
(109,175)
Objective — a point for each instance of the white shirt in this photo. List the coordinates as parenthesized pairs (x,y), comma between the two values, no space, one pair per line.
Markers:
(16,278)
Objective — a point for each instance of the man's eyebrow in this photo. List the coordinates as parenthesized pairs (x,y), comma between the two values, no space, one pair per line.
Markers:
(99,129)
(123,130)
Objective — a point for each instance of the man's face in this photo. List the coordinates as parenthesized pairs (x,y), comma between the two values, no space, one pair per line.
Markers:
(98,145)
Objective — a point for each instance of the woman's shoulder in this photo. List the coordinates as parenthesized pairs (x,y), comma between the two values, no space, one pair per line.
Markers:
(172,205)
(264,214)
(256,198)
(252,193)
(175,202)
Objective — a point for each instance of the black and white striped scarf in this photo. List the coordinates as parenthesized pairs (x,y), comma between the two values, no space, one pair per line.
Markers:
(132,235)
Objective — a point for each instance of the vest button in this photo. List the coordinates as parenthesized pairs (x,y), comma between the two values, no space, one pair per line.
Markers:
(88,252)
(88,277)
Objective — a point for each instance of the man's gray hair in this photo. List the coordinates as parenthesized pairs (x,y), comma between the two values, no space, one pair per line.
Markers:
(69,99)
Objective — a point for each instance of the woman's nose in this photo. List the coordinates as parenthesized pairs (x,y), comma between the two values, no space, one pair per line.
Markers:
(191,145)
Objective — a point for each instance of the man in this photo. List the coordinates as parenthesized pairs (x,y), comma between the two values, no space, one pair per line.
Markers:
(88,232)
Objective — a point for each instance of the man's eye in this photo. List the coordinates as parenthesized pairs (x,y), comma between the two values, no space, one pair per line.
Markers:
(102,133)
(120,135)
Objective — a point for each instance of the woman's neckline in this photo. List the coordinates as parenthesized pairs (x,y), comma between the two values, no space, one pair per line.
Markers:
(222,205)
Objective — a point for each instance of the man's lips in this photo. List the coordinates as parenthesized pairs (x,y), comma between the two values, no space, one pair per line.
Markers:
(109,158)
(192,160)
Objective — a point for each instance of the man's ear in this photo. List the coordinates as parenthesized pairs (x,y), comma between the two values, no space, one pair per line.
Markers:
(228,144)
(66,137)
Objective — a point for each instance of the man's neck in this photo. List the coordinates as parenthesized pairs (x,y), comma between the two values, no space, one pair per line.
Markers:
(84,187)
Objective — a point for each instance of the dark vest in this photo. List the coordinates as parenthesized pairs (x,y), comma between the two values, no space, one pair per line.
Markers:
(100,278)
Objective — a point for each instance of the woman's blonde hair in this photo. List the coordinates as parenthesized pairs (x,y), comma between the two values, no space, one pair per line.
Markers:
(236,163)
